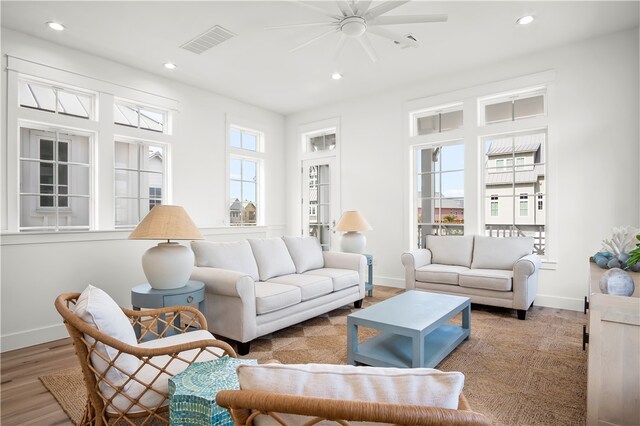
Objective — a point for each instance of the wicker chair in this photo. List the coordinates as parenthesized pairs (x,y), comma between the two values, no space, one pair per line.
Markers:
(143,396)
(247,407)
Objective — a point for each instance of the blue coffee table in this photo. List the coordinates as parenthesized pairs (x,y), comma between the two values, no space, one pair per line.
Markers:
(414,330)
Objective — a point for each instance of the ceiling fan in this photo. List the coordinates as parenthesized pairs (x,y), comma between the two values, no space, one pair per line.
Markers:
(355,19)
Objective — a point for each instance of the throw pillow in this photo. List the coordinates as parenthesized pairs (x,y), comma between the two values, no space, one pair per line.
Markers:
(500,253)
(306,253)
(272,257)
(234,256)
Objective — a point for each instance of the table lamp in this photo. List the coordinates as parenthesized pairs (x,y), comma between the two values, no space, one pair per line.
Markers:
(167,265)
(352,222)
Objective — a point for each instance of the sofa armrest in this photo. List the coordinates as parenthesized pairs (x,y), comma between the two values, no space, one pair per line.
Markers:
(411,260)
(225,282)
(353,261)
(525,281)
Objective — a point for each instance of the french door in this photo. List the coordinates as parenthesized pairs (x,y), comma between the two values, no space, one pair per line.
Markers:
(320,200)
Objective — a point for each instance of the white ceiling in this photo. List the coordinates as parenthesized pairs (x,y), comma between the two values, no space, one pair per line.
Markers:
(257,66)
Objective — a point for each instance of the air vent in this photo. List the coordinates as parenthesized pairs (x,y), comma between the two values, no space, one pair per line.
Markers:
(408,40)
(208,39)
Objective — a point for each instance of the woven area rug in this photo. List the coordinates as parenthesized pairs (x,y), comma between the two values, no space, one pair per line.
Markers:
(531,372)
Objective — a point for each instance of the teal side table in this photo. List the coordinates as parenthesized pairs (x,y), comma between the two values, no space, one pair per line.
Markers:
(368,286)
(192,393)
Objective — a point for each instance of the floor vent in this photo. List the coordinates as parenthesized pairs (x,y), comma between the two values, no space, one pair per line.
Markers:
(208,39)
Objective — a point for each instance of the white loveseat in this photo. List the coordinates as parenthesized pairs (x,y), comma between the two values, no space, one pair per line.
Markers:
(491,271)
(258,286)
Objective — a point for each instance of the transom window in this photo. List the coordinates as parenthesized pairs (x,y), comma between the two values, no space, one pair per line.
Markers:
(141,117)
(512,107)
(321,141)
(438,120)
(244,139)
(63,101)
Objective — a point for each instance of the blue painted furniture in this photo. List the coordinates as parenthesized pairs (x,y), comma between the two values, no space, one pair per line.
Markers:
(368,286)
(414,330)
(144,296)
(192,393)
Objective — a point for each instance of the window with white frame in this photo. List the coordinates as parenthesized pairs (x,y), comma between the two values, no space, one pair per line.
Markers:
(439,195)
(47,96)
(512,106)
(494,205)
(437,120)
(55,180)
(140,117)
(324,140)
(244,172)
(139,172)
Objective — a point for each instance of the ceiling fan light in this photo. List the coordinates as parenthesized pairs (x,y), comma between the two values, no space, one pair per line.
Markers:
(353,26)
(55,26)
(525,20)
(336,76)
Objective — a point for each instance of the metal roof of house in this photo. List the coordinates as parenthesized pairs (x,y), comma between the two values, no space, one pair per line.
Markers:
(524,143)
(530,175)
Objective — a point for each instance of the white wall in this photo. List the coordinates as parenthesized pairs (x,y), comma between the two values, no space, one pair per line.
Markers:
(36,268)
(594,124)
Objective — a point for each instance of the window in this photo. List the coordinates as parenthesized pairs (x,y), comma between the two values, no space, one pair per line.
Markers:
(438,120)
(47,97)
(139,171)
(322,141)
(55,176)
(519,163)
(514,106)
(440,190)
(500,164)
(540,202)
(244,171)
(141,117)
(494,205)
(524,205)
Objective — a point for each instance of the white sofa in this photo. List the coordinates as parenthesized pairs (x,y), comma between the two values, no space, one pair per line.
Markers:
(491,271)
(258,286)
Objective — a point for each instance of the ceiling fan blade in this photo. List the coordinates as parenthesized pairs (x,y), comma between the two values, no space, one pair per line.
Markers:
(362,6)
(316,38)
(339,46)
(315,5)
(383,32)
(366,44)
(383,8)
(301,25)
(409,19)
(345,8)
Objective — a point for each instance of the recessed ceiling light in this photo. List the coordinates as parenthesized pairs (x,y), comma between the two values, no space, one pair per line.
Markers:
(525,20)
(170,66)
(336,76)
(55,26)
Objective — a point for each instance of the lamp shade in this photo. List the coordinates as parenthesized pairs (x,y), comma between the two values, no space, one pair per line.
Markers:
(352,221)
(167,265)
(166,223)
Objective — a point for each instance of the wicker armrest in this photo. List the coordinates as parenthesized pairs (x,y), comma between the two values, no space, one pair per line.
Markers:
(161,320)
(245,405)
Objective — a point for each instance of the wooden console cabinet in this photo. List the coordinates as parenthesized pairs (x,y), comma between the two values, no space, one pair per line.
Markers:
(613,386)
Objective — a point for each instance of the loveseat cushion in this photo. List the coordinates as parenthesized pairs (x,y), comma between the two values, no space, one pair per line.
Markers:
(341,278)
(311,286)
(306,253)
(441,274)
(450,250)
(499,253)
(273,296)
(272,257)
(418,386)
(489,279)
(235,256)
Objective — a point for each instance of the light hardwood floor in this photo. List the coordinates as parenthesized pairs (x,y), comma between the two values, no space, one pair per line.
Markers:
(24,400)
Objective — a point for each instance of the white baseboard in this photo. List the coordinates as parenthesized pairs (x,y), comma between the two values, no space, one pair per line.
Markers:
(388,281)
(35,336)
(558,302)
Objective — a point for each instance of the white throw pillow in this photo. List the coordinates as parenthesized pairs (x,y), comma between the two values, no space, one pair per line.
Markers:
(499,253)
(272,257)
(416,386)
(450,250)
(234,256)
(99,310)
(306,253)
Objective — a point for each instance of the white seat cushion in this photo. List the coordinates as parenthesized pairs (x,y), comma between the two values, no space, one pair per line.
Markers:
(306,253)
(272,257)
(272,296)
(450,250)
(236,256)
(489,279)
(99,310)
(147,374)
(341,278)
(441,274)
(311,286)
(499,253)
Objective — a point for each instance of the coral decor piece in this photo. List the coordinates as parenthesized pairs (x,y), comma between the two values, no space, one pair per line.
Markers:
(622,240)
(619,251)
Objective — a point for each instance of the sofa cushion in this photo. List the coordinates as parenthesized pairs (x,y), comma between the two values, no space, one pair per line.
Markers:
(311,286)
(418,386)
(450,250)
(306,253)
(489,279)
(235,256)
(272,296)
(499,253)
(99,310)
(272,257)
(342,278)
(441,274)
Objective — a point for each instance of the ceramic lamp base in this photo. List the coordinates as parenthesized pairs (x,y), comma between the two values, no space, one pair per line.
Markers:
(353,242)
(168,265)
